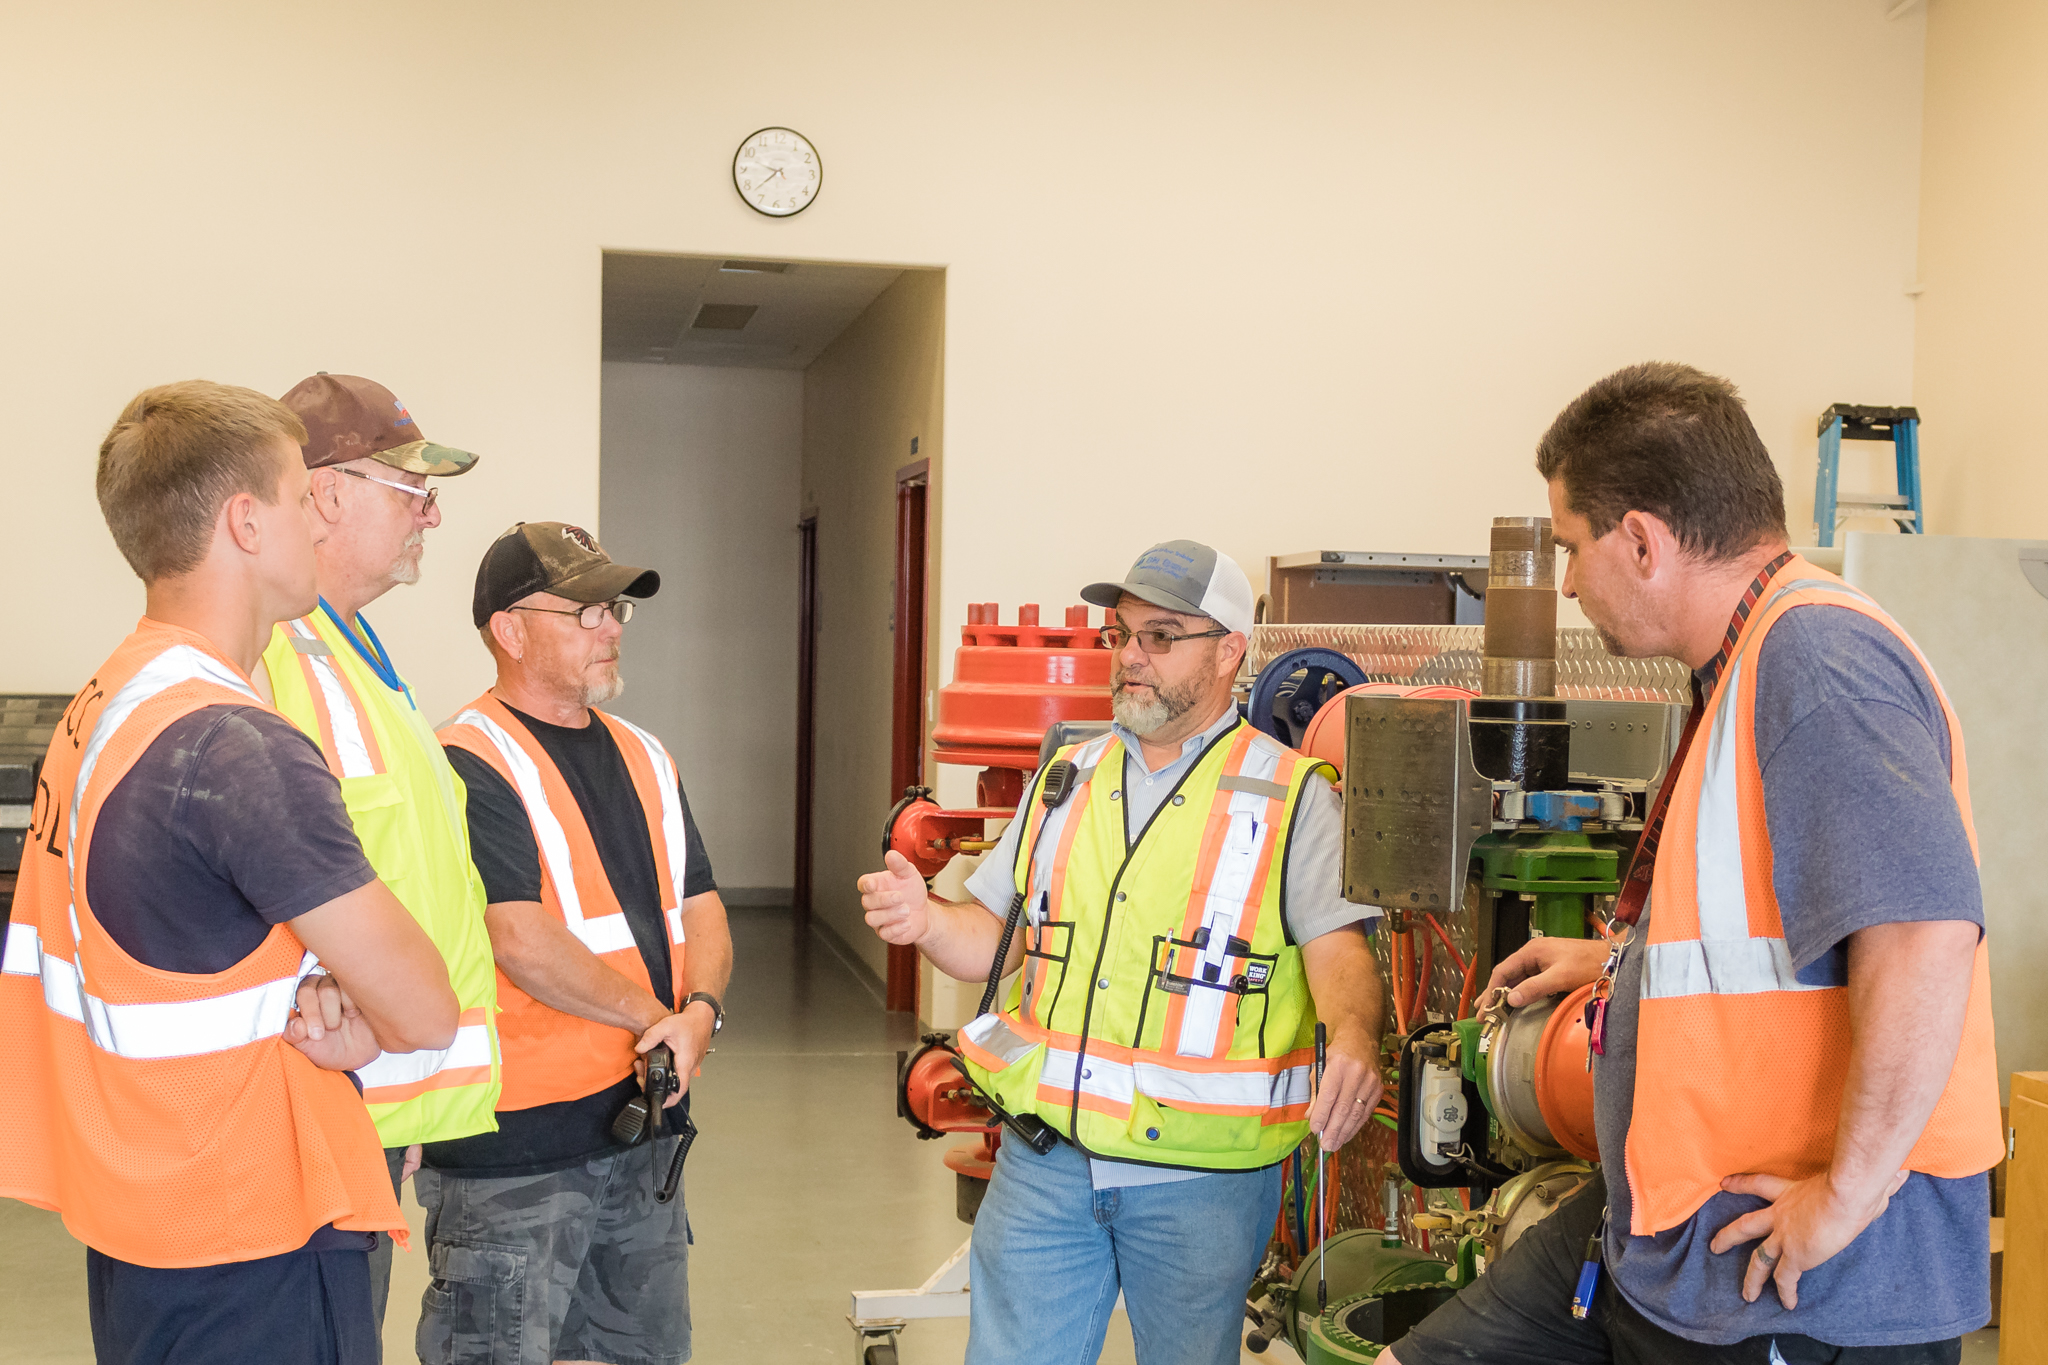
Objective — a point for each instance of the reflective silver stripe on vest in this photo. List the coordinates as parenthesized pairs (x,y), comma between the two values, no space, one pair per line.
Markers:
(472,1047)
(178,664)
(1087,758)
(1102,1077)
(159,1029)
(1726,959)
(23,953)
(1120,1081)
(350,750)
(1229,885)
(604,934)
(672,833)
(992,1034)
(1742,966)
(1717,845)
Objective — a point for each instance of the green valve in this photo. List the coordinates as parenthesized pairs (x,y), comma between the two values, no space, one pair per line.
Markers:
(1358,1329)
(1547,864)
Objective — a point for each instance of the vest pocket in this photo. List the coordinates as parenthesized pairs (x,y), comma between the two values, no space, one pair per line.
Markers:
(1161,1126)
(385,825)
(1015,1085)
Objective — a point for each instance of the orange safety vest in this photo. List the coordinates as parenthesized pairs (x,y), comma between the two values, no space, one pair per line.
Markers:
(549,1055)
(162,1113)
(1739,1064)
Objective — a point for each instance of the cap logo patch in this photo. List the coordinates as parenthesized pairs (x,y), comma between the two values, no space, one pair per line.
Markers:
(581,537)
(1169,564)
(404,418)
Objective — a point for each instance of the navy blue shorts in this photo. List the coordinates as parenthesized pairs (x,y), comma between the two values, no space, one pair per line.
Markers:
(304,1306)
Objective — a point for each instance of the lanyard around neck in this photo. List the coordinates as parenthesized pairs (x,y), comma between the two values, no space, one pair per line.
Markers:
(372,655)
(1635,887)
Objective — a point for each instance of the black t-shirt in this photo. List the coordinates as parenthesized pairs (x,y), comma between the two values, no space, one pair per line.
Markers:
(553,1136)
(229,823)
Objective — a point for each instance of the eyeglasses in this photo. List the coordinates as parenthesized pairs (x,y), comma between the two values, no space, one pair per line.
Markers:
(1152,641)
(592,616)
(422,509)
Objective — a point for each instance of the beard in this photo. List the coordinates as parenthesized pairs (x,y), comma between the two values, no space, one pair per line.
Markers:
(405,570)
(1164,705)
(607,687)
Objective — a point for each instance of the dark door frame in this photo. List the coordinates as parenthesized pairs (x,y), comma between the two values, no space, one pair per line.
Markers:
(908,626)
(806,713)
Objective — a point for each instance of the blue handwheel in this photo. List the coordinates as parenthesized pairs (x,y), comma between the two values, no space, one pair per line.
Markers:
(1290,690)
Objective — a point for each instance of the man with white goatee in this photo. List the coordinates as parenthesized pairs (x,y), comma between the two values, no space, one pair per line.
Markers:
(330,675)
(1183,927)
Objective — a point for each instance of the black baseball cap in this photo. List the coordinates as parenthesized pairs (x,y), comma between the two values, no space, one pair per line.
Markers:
(552,556)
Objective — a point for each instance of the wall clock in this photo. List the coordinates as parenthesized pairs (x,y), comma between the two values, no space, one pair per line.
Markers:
(777,171)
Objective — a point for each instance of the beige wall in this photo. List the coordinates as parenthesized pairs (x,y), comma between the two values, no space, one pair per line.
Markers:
(1982,349)
(1284,277)
(699,481)
(871,391)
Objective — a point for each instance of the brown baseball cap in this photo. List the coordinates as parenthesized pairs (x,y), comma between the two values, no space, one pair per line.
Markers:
(552,556)
(348,417)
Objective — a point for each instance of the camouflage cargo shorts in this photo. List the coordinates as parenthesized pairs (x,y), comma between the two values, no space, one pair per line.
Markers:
(577,1264)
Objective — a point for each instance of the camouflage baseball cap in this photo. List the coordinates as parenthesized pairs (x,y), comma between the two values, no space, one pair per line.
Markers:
(348,417)
(552,556)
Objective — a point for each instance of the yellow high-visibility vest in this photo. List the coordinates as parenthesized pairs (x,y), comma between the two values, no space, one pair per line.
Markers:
(410,811)
(1161,1015)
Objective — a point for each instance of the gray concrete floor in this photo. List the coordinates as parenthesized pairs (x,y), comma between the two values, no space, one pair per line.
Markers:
(803,1187)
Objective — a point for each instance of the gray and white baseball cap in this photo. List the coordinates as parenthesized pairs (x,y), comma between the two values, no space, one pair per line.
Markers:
(1185,575)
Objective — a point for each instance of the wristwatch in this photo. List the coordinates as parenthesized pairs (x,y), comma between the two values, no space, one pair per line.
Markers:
(717,1010)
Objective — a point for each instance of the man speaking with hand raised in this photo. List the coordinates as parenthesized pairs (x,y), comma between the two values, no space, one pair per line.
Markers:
(1183,927)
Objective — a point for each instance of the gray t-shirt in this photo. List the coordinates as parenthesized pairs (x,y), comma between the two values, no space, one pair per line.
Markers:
(1311,896)
(1854,750)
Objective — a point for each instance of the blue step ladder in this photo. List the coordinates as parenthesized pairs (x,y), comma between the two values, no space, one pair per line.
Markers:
(1854,422)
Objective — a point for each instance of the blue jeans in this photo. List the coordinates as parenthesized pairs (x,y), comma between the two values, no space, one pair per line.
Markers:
(1050,1253)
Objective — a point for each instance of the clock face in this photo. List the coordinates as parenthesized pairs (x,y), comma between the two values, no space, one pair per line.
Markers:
(777,172)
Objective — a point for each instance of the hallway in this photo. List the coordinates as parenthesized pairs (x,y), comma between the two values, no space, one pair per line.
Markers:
(803,1186)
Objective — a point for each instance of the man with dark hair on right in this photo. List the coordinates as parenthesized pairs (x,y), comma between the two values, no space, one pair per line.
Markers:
(1796,1095)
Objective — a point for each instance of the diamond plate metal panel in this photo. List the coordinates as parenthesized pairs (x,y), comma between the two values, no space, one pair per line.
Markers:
(1412,803)
(1450,656)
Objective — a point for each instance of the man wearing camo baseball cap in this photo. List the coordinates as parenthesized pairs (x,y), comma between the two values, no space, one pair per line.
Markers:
(330,675)
(596,880)
(1194,872)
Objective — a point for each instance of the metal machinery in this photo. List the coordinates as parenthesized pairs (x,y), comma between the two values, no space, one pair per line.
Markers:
(26,724)
(1015,689)
(1495,780)
(1011,685)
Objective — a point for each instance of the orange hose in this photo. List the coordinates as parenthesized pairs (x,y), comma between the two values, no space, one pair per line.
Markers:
(1471,984)
(1421,1006)
(1457,958)
(1400,990)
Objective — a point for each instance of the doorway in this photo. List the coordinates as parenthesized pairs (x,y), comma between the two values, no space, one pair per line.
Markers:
(756,416)
(909,630)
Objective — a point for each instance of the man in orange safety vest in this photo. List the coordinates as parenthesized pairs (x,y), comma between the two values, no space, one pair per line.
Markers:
(1795,1090)
(178,1076)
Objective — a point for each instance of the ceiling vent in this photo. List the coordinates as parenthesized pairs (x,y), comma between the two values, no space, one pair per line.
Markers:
(723,317)
(757,267)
